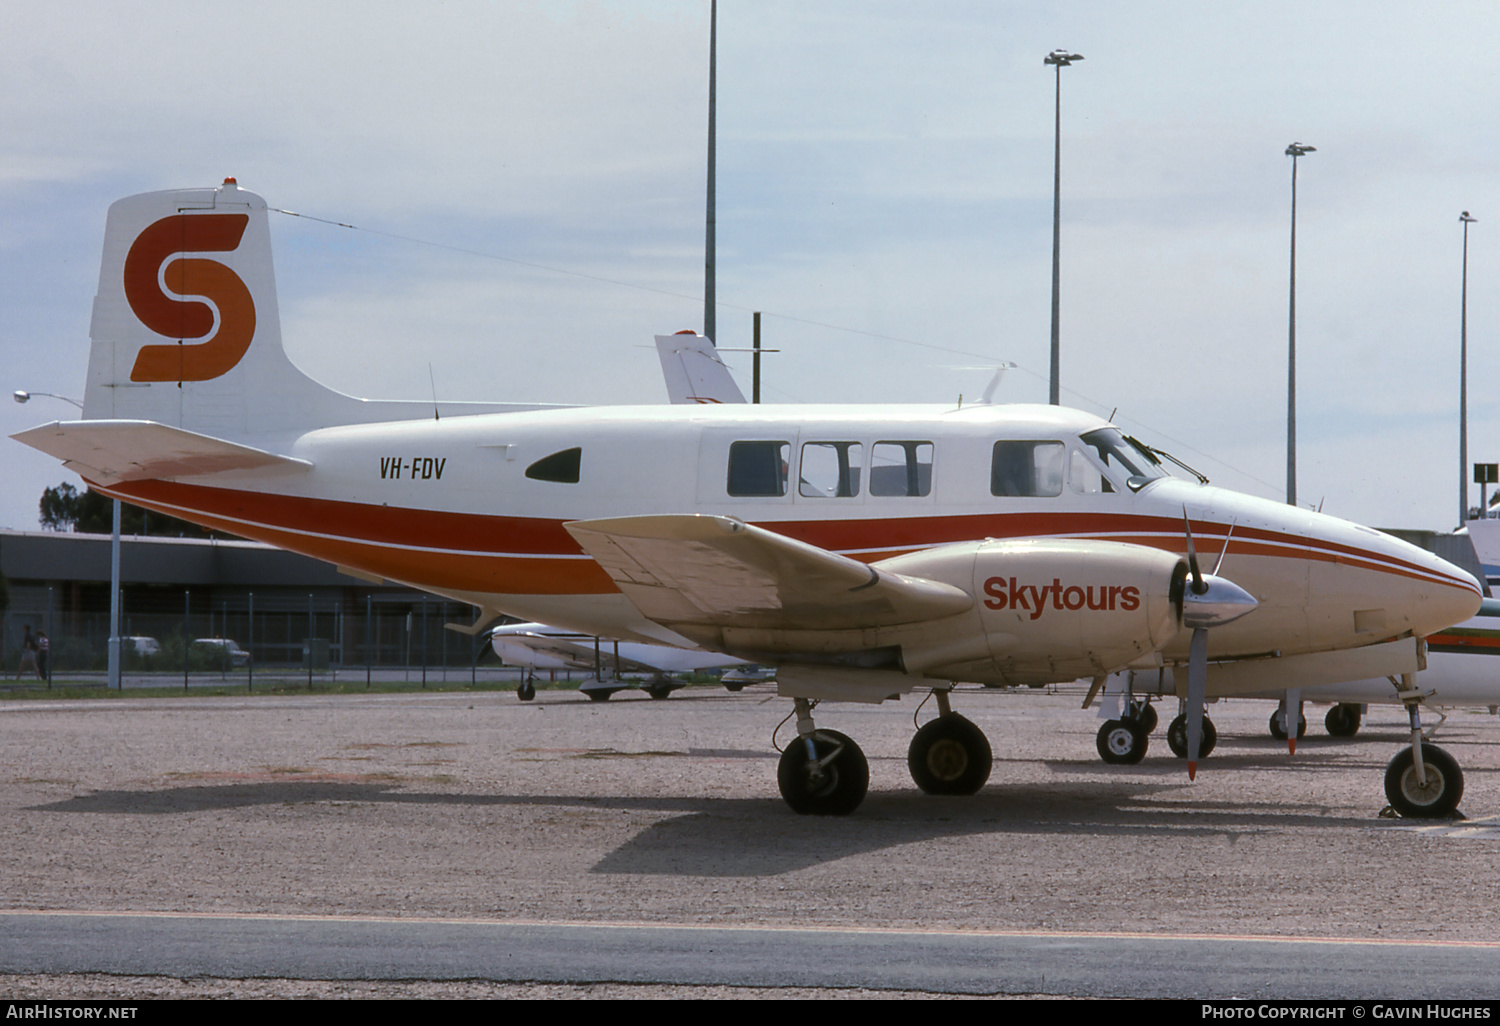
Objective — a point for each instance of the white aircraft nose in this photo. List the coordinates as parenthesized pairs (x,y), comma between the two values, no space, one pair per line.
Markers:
(1417,591)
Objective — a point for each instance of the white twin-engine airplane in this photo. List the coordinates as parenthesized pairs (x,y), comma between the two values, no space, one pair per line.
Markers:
(866,551)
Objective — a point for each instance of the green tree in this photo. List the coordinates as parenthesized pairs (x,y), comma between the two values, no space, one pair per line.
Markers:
(64,509)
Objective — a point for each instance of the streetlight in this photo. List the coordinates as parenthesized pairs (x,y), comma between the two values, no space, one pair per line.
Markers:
(1463,382)
(113,680)
(1060,59)
(1294,151)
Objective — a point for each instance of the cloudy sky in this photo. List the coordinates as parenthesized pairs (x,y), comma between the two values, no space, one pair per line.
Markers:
(527,182)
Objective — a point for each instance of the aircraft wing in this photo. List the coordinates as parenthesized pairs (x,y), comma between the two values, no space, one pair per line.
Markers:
(111,451)
(721,572)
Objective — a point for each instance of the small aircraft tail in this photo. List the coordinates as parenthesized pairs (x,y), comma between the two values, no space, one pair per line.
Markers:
(693,371)
(186,330)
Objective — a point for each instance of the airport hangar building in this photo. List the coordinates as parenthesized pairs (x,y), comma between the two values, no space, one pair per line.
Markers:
(58,582)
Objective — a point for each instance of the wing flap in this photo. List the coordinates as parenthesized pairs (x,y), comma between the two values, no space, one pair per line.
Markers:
(721,572)
(112,451)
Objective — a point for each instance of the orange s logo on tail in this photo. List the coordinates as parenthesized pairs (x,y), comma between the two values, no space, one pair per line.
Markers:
(188,319)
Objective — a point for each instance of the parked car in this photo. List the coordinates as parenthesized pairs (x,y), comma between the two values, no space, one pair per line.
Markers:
(141,645)
(238,656)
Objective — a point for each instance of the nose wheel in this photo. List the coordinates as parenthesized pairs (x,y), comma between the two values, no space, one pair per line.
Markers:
(1434,794)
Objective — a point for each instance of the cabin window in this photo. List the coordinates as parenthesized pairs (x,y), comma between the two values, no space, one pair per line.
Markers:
(1123,454)
(561,467)
(1027,468)
(1085,478)
(901,468)
(759,468)
(830,470)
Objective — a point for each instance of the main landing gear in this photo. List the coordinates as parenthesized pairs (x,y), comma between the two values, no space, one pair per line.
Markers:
(1123,742)
(824,773)
(1177,737)
(1422,781)
(1342,720)
(949,755)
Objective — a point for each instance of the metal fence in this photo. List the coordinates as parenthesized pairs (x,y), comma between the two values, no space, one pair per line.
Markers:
(396,632)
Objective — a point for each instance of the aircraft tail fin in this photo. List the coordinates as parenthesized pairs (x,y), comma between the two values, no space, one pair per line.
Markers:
(693,371)
(186,331)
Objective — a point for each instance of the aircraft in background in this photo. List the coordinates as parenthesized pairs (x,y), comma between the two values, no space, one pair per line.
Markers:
(1460,672)
(693,371)
(537,646)
(866,551)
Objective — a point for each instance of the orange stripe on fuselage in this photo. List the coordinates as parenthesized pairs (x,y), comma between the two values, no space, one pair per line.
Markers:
(528,555)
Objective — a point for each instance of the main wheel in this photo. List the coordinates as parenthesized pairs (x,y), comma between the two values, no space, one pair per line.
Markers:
(1177,737)
(1122,742)
(1342,720)
(950,755)
(599,696)
(835,787)
(662,691)
(1279,733)
(526,691)
(1146,718)
(1437,798)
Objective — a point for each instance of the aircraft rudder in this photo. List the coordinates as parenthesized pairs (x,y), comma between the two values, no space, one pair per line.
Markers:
(185,310)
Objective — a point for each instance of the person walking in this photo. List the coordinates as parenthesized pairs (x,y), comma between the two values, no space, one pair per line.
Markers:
(28,653)
(43,650)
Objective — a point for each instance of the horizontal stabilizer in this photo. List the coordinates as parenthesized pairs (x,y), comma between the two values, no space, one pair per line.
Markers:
(114,451)
(721,572)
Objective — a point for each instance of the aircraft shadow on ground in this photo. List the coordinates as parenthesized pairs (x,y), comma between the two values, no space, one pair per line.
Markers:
(752,837)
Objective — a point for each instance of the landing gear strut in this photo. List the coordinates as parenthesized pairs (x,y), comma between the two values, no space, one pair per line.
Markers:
(1423,781)
(949,755)
(822,772)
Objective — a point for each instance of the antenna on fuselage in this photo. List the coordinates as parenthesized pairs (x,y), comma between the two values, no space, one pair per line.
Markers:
(433,382)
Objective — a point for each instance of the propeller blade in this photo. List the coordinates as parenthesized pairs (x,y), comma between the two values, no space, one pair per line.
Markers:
(1292,721)
(1225,550)
(1196,693)
(1198,586)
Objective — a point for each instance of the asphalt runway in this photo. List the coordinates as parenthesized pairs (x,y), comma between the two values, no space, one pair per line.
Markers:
(463,837)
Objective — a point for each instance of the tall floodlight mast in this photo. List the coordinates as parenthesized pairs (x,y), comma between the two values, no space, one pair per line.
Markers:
(1059,59)
(1463,382)
(1294,151)
(709,328)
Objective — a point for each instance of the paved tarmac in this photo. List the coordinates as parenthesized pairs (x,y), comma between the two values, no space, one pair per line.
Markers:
(469,837)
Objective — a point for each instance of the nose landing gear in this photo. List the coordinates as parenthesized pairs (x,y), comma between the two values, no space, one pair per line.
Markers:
(1423,781)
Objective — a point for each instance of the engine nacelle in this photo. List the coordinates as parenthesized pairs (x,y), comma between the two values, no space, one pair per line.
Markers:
(1047,609)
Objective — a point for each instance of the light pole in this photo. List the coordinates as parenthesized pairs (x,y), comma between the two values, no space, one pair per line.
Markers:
(1294,151)
(1060,59)
(113,680)
(1463,382)
(710,326)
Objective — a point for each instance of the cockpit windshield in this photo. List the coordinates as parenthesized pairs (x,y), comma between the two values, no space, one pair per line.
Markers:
(1125,457)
